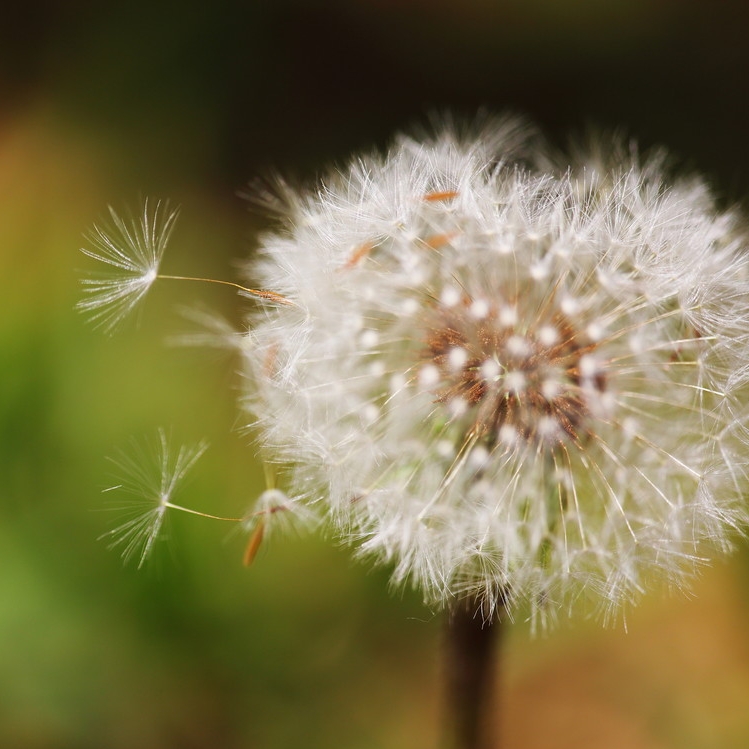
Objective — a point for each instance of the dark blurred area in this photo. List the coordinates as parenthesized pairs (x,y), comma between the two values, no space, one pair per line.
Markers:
(233,87)
(103,101)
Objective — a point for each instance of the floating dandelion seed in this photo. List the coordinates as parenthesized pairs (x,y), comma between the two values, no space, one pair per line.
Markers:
(151,479)
(132,250)
(151,474)
(514,387)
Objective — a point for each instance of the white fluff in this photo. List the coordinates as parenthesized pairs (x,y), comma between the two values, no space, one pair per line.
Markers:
(587,427)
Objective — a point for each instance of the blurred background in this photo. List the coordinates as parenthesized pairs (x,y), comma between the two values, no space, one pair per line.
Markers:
(101,102)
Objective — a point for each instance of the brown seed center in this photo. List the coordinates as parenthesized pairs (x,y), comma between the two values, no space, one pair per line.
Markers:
(533,378)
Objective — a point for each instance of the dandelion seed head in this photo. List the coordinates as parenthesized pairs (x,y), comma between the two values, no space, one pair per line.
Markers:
(545,398)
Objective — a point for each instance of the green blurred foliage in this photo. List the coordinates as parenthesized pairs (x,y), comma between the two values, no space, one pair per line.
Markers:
(102,102)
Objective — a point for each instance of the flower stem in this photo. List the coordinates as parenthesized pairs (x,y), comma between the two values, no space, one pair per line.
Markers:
(471,648)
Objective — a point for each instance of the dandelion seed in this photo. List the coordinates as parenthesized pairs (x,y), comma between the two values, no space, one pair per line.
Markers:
(150,475)
(273,511)
(558,386)
(132,250)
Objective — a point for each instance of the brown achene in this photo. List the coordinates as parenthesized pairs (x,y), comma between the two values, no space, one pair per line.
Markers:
(534,382)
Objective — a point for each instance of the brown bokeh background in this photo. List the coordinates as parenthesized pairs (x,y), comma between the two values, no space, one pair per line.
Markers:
(103,102)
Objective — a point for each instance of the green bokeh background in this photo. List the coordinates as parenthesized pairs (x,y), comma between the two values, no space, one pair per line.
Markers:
(103,102)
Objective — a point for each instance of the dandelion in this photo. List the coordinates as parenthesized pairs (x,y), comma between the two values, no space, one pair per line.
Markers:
(519,380)
(515,387)
(132,251)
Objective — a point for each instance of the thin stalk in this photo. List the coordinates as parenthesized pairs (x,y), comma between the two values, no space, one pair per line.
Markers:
(472,647)
(261,293)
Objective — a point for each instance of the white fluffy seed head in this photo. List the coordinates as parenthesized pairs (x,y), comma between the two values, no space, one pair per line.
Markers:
(558,410)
